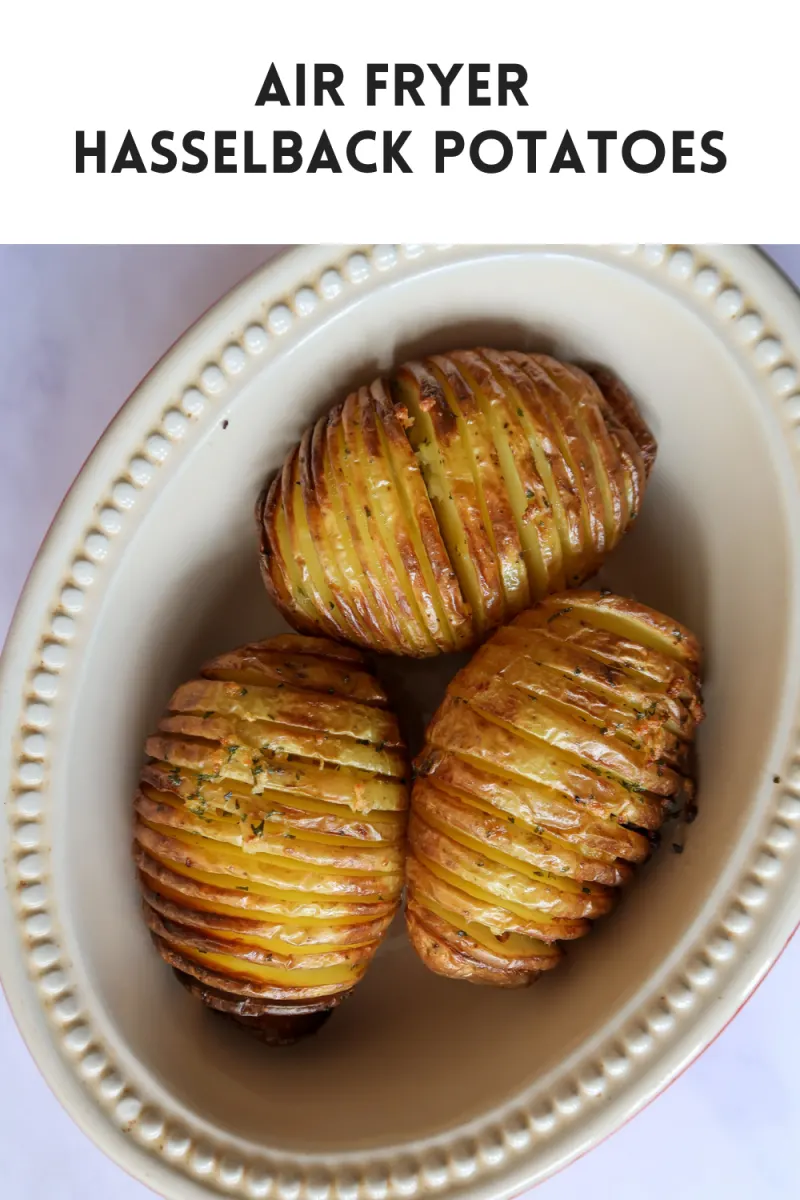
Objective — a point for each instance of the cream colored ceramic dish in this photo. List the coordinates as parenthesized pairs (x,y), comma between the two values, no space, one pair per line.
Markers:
(418,1085)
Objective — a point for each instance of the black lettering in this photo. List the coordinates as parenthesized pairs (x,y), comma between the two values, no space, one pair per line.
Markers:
(328,78)
(680,152)
(286,144)
(478,85)
(505,144)
(445,81)
(223,151)
(506,83)
(323,158)
(532,136)
(250,166)
(602,137)
(567,157)
(659,151)
(391,152)
(374,84)
(188,143)
(82,151)
(129,158)
(449,144)
(719,156)
(272,88)
(166,152)
(300,85)
(403,85)
(363,135)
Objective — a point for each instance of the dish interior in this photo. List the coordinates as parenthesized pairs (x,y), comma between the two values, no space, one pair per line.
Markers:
(411,1054)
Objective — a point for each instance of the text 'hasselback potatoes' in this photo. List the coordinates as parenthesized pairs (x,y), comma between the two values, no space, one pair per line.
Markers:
(269,836)
(434,505)
(554,754)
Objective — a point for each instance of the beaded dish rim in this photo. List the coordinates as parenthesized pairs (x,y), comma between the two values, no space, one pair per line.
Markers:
(756,313)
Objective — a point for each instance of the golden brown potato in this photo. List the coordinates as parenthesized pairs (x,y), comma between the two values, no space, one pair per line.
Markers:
(554,753)
(428,509)
(269,831)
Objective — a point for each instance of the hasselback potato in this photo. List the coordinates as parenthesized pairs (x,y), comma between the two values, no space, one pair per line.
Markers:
(269,831)
(431,507)
(553,756)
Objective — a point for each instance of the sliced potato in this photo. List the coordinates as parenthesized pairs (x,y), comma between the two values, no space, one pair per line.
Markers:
(270,828)
(435,504)
(535,767)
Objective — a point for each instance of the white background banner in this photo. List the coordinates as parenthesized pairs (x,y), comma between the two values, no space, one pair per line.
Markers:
(704,92)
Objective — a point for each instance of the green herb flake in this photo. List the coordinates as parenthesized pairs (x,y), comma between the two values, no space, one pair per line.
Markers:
(259,828)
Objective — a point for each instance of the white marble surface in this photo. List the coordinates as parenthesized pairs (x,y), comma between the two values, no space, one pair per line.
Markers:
(79,326)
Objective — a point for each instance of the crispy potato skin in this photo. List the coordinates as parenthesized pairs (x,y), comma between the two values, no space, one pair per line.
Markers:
(428,509)
(270,828)
(567,735)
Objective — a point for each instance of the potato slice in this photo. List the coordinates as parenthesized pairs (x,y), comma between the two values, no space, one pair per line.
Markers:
(269,832)
(578,451)
(222,892)
(427,879)
(441,580)
(496,509)
(530,777)
(387,526)
(309,579)
(521,479)
(368,508)
(446,470)
(354,541)
(526,471)
(285,936)
(277,562)
(624,409)
(344,602)
(516,840)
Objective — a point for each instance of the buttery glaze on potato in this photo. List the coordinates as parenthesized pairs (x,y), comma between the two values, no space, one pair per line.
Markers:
(555,752)
(269,834)
(430,508)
